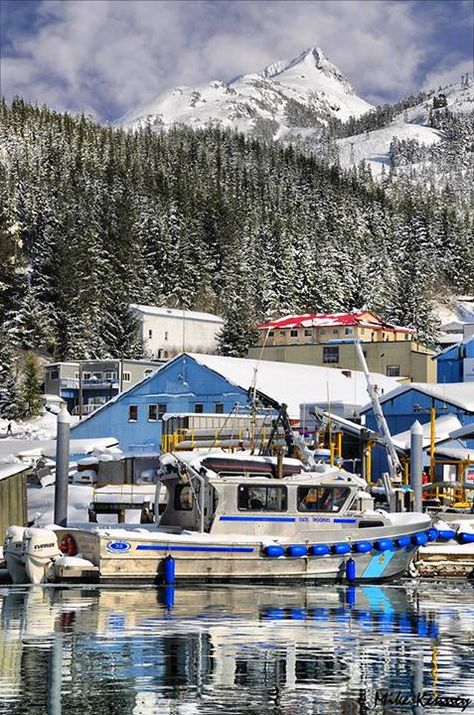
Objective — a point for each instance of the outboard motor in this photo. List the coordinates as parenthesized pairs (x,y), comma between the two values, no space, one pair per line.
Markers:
(40,550)
(12,553)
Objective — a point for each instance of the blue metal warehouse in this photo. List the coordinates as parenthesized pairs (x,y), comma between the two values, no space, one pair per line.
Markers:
(456,363)
(213,384)
(414,401)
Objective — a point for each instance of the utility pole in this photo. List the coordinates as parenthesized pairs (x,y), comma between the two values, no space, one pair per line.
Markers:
(81,400)
(62,469)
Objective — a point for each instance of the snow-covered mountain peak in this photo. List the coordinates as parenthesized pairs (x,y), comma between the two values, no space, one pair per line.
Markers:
(274,103)
(312,61)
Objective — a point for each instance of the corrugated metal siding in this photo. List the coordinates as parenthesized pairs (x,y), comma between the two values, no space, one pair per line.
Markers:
(400,414)
(179,385)
(13,507)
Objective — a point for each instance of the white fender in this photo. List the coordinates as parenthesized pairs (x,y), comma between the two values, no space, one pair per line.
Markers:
(40,550)
(12,553)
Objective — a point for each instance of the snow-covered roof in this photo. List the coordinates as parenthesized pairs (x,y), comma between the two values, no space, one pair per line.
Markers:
(445,425)
(466,432)
(175,313)
(47,448)
(294,384)
(8,470)
(363,319)
(458,394)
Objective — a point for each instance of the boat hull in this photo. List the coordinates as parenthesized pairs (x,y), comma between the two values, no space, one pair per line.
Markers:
(124,557)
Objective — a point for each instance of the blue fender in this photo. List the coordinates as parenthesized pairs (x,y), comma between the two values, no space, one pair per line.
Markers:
(319,549)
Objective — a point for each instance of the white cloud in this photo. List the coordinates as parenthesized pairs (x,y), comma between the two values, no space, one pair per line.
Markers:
(107,57)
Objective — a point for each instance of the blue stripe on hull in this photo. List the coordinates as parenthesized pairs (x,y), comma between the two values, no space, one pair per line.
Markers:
(258,518)
(173,547)
(377,564)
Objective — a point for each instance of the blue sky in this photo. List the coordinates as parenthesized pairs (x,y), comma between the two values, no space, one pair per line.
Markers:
(105,57)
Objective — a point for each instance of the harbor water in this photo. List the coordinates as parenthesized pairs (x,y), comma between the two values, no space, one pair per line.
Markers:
(252,650)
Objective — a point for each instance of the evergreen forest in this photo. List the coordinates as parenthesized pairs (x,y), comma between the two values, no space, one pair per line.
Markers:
(94,218)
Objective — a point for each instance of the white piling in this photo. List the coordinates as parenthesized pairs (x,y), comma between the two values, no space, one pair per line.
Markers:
(62,469)
(416,463)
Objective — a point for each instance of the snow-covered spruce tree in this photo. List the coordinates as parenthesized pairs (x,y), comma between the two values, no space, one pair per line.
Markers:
(30,387)
(11,403)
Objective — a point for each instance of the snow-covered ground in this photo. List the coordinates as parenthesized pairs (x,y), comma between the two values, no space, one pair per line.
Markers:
(42,427)
(373,147)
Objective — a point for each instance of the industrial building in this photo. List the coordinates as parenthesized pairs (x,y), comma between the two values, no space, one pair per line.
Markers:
(317,339)
(456,362)
(199,384)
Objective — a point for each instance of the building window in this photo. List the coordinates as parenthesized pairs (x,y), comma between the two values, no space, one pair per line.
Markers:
(256,498)
(219,408)
(407,337)
(152,413)
(166,335)
(331,354)
(271,333)
(54,375)
(98,375)
(293,333)
(110,375)
(335,331)
(76,376)
(322,331)
(86,375)
(362,331)
(393,370)
(162,409)
(126,377)
(282,333)
(198,408)
(308,333)
(150,333)
(132,413)
(348,331)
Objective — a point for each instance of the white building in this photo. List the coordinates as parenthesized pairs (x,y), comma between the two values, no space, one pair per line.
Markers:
(168,331)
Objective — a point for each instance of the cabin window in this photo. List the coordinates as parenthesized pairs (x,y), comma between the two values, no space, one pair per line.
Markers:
(132,413)
(54,375)
(330,354)
(198,408)
(152,413)
(393,370)
(110,375)
(126,377)
(183,497)
(258,498)
(321,498)
(86,376)
(293,333)
(219,408)
(308,332)
(347,331)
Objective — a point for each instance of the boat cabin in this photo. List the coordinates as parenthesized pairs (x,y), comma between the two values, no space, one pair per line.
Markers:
(225,495)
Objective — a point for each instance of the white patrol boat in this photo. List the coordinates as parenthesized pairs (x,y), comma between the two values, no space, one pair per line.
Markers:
(236,517)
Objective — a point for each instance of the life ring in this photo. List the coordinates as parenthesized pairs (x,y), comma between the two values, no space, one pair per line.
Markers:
(67,545)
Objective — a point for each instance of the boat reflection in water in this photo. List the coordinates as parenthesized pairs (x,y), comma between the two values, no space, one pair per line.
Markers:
(241,650)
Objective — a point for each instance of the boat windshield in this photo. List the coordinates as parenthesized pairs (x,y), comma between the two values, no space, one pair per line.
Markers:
(322,498)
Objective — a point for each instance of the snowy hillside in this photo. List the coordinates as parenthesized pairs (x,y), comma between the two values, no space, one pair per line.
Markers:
(301,92)
(373,147)
(411,124)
